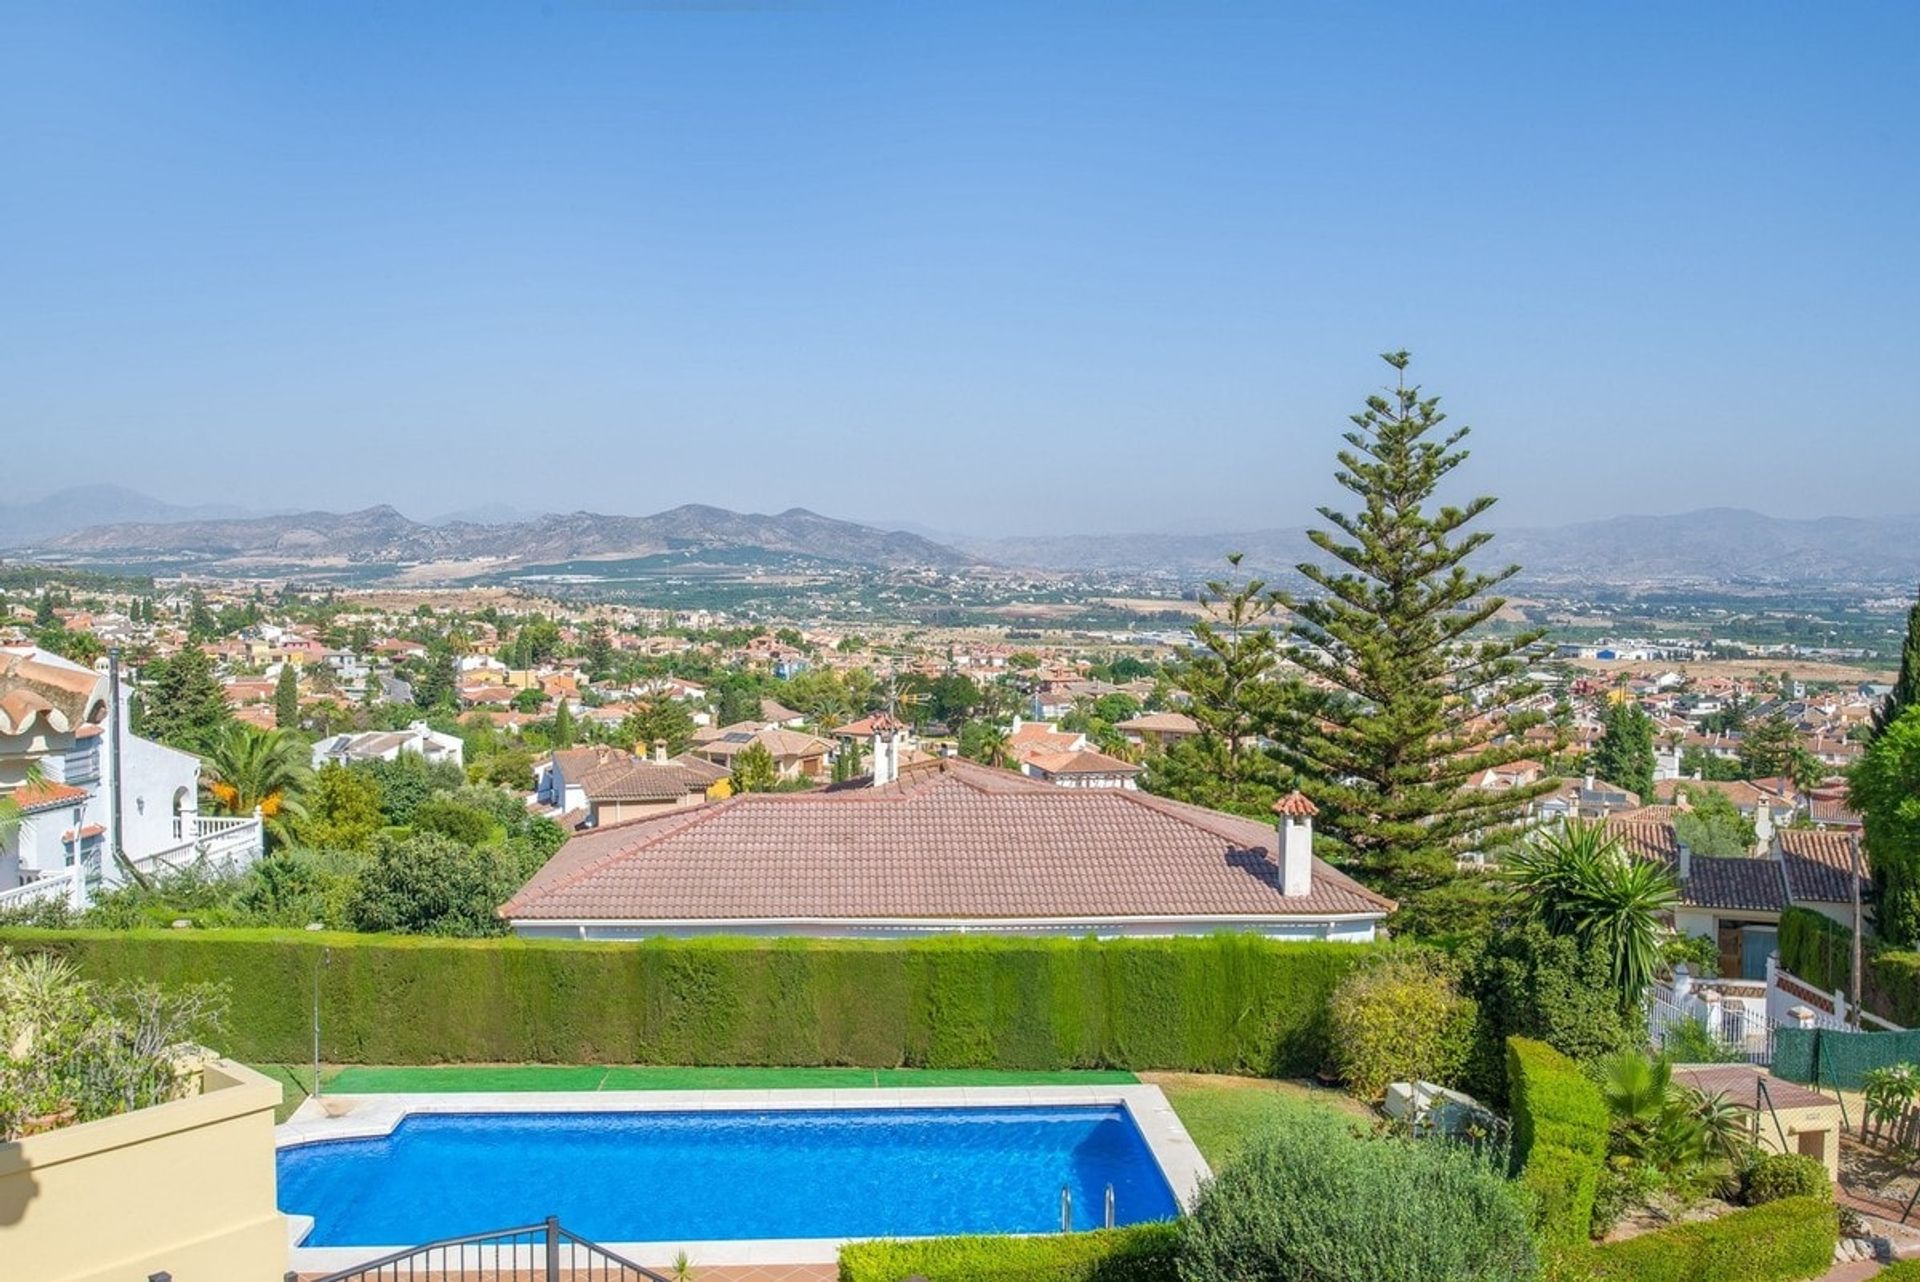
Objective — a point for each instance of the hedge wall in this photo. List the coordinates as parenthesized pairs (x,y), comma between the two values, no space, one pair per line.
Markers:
(1143,1253)
(1559,1137)
(1785,1241)
(1816,948)
(1223,1003)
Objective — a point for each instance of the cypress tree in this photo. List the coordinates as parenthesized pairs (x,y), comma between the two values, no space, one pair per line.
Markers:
(1403,703)
(1624,755)
(286,699)
(563,726)
(1903,692)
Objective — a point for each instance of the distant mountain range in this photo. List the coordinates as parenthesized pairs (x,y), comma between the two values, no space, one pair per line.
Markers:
(1729,546)
(82,506)
(382,536)
(1714,546)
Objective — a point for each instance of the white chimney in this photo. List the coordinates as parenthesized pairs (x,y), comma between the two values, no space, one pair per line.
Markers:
(886,759)
(660,750)
(1762,827)
(1685,861)
(1296,844)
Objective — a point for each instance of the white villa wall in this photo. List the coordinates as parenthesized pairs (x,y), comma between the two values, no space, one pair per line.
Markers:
(157,779)
(1354,932)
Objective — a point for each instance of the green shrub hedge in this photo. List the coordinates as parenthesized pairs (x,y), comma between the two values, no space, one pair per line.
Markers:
(1899,1271)
(1785,1241)
(1892,987)
(1775,1177)
(1816,948)
(1223,1003)
(1142,1253)
(1559,1137)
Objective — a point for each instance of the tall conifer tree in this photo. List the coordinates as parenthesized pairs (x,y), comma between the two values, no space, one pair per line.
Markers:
(1903,685)
(1403,703)
(286,699)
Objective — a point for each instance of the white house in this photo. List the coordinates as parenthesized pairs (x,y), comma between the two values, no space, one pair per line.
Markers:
(385,745)
(945,846)
(57,763)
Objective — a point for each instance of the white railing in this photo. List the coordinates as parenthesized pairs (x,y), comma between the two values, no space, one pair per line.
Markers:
(1735,1020)
(191,827)
(54,886)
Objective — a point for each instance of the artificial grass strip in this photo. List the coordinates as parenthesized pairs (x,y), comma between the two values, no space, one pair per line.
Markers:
(399,1080)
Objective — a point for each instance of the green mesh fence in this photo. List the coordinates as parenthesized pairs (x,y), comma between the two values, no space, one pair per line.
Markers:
(1824,1057)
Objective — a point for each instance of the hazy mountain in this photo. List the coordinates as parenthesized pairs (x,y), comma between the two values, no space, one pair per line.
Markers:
(80,506)
(382,536)
(486,514)
(1714,545)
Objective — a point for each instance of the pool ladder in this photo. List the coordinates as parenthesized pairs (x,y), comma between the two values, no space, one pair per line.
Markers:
(1066,1208)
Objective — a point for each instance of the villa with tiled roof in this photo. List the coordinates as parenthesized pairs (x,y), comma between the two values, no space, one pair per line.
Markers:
(947,846)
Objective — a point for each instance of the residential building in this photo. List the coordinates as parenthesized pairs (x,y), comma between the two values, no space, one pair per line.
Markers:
(385,745)
(58,740)
(1158,729)
(947,846)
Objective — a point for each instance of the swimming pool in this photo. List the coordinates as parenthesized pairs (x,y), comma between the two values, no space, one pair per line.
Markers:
(727,1175)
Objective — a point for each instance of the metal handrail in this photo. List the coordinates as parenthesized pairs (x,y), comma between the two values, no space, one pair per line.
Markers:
(544,1240)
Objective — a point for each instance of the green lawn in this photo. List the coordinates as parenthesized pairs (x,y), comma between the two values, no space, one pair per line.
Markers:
(1221,1113)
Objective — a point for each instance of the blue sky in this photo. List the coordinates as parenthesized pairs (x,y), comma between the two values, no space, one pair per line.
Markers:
(995,269)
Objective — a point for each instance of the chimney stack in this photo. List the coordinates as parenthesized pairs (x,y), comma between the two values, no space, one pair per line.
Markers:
(1296,844)
(660,750)
(1685,860)
(1762,827)
(886,750)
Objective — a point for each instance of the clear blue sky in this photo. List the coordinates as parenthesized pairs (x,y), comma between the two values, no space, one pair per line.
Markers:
(1113,266)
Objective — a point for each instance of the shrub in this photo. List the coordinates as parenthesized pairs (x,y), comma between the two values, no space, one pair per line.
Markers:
(1775,1176)
(432,885)
(72,1051)
(466,825)
(1400,1019)
(1142,1253)
(1531,983)
(1220,1004)
(1816,948)
(1891,987)
(1900,1271)
(1785,1241)
(1559,1137)
(1315,1200)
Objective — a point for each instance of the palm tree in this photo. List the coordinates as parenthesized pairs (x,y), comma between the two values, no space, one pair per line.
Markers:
(990,747)
(1582,883)
(265,770)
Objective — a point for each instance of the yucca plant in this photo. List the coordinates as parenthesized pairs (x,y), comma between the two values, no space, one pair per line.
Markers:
(1582,883)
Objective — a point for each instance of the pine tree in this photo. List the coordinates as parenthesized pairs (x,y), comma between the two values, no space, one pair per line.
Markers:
(1624,755)
(1403,707)
(286,699)
(1902,696)
(1230,678)
(184,704)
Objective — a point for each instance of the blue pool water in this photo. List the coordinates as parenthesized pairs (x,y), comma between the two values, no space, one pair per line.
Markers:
(667,1177)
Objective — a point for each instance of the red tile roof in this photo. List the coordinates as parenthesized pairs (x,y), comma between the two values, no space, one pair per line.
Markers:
(47,796)
(954,841)
(1819,864)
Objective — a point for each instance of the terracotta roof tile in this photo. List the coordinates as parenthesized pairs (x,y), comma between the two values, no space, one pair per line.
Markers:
(954,842)
(1818,864)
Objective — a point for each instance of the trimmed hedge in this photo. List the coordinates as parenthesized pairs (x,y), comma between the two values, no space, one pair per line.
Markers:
(1899,1271)
(1816,948)
(1223,1003)
(1892,987)
(1559,1137)
(1141,1253)
(1785,1241)
(1820,950)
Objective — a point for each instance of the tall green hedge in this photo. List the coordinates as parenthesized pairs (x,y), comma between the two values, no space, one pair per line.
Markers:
(1143,1253)
(1816,948)
(1222,1003)
(1559,1137)
(1785,1241)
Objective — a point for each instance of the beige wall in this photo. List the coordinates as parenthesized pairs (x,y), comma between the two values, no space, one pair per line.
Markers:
(1812,1131)
(186,1187)
(607,813)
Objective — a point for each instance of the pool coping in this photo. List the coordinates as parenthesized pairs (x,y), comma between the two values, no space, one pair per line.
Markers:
(340,1117)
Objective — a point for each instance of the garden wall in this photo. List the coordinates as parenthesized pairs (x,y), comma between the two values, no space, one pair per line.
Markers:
(1222,1003)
